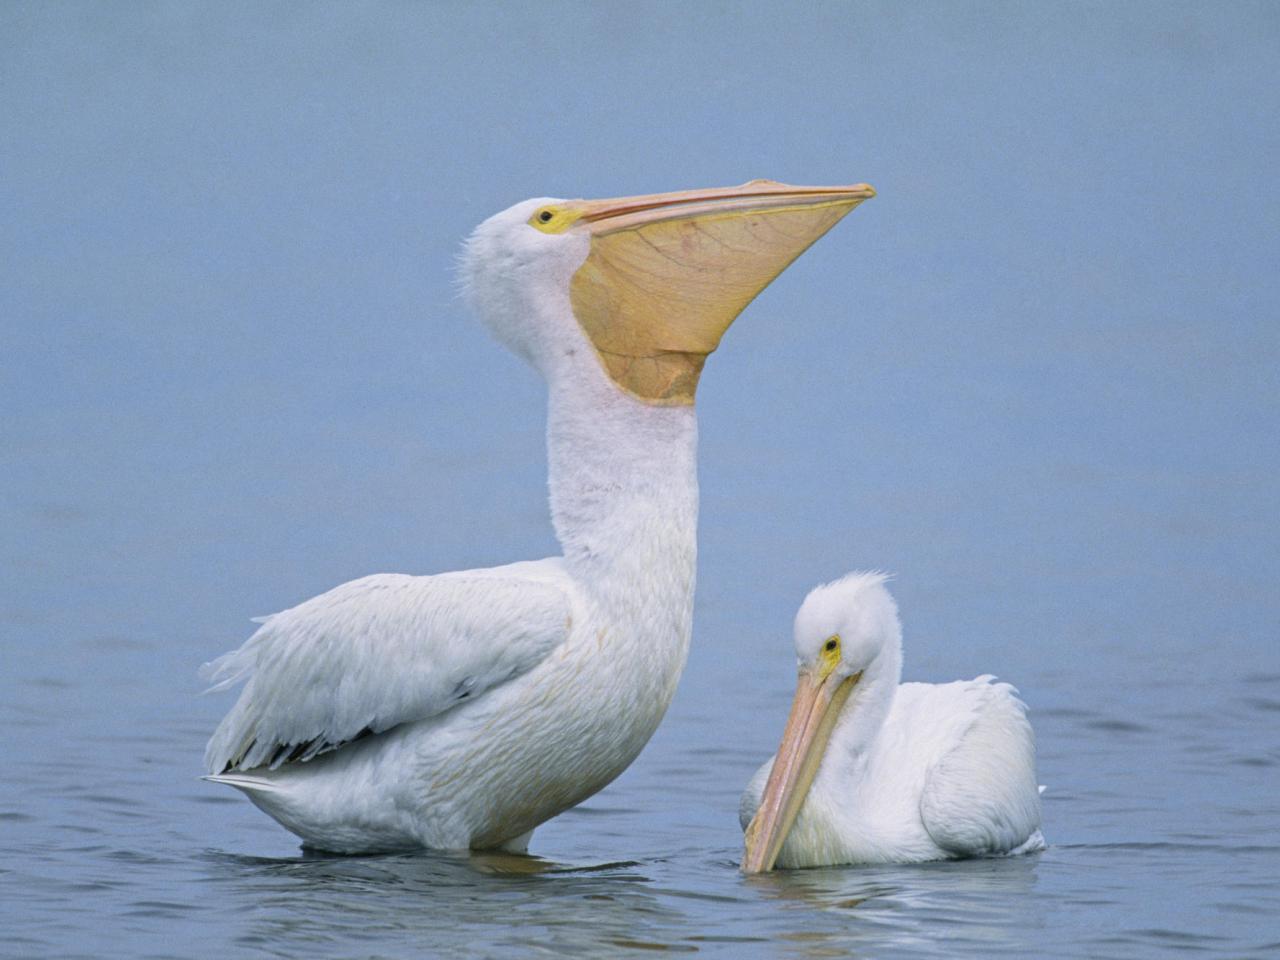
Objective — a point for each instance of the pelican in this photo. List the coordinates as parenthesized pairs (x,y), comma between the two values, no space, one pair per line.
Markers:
(871,770)
(463,709)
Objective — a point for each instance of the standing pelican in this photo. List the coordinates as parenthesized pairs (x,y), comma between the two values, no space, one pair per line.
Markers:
(464,709)
(873,771)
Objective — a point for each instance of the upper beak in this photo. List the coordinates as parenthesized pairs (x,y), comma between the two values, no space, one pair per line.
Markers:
(624,213)
(667,273)
(814,712)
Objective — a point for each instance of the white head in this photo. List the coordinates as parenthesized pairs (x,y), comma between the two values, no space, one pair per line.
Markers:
(849,626)
(517,278)
(647,284)
(848,644)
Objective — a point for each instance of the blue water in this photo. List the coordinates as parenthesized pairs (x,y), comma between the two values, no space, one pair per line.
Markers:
(1036,378)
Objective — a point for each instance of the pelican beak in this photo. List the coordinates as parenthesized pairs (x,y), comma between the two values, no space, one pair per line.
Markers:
(814,712)
(668,273)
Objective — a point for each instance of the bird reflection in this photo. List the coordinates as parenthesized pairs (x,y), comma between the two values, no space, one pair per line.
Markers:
(898,906)
(512,903)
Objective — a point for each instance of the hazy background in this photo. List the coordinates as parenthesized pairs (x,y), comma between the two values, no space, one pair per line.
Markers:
(1036,377)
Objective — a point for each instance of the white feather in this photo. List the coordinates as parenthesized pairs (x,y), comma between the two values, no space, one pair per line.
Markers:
(571,662)
(380,651)
(913,771)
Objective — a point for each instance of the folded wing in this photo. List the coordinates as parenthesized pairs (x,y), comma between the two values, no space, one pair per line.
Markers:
(381,651)
(981,797)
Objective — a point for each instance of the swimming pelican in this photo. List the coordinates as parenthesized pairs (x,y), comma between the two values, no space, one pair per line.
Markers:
(874,771)
(464,709)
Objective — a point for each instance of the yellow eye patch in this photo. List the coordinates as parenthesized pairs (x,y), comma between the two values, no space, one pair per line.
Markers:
(554,219)
(829,656)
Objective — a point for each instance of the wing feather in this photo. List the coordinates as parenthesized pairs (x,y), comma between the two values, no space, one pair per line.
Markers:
(981,797)
(380,651)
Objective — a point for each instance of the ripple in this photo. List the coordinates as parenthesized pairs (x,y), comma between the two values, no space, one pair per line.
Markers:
(137,857)
(698,895)
(1066,712)
(94,886)
(596,868)
(1253,762)
(52,683)
(1179,936)
(1166,845)
(114,644)
(1111,725)
(214,799)
(153,907)
(1265,704)
(598,811)
(657,947)
(1234,906)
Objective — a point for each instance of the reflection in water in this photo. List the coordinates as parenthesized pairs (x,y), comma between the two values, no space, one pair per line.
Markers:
(838,910)
(507,902)
(520,903)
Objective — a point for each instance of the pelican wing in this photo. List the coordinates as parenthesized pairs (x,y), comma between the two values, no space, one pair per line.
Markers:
(381,651)
(981,797)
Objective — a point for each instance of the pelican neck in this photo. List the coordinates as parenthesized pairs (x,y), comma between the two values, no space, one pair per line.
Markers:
(863,718)
(623,484)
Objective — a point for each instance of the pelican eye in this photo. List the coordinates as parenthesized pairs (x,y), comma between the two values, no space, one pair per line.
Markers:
(829,656)
(554,219)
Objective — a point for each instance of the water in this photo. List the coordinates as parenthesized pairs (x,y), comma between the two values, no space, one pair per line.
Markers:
(1161,814)
(235,375)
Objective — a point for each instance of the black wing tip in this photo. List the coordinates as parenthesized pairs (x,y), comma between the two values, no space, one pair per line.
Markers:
(293,752)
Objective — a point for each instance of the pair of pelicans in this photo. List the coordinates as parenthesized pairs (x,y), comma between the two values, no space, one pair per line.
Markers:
(463,709)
